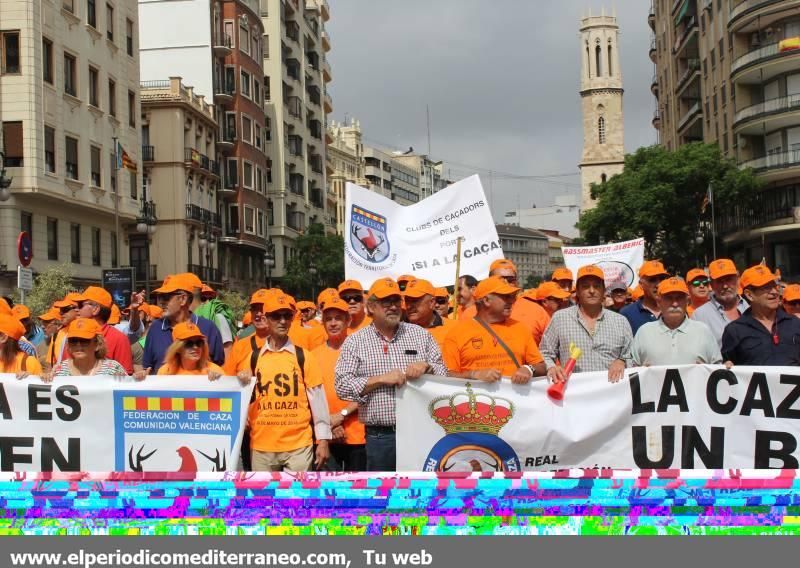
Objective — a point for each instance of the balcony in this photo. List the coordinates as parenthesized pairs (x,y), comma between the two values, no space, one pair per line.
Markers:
(294,106)
(315,126)
(656,120)
(759,11)
(653,51)
(197,213)
(223,45)
(774,206)
(142,274)
(777,166)
(687,39)
(328,104)
(207,274)
(224,92)
(227,139)
(148,154)
(316,197)
(694,112)
(195,159)
(651,17)
(654,86)
(315,163)
(327,76)
(691,73)
(780,113)
(760,65)
(293,30)
(326,40)
(293,69)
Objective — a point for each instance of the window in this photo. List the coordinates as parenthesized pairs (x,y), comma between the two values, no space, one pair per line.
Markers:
(265,46)
(257,92)
(247,129)
(52,239)
(97,179)
(47,60)
(228,30)
(723,94)
(69,74)
(113,169)
(68,5)
(233,218)
(230,126)
(71,147)
(110,22)
(259,180)
(95,246)
(257,135)
(254,49)
(134,185)
(112,97)
(244,83)
(50,149)
(601,130)
(249,220)
(26,223)
(129,36)
(91,13)
(232,173)
(610,71)
(261,228)
(132,108)
(12,144)
(267,96)
(94,77)
(75,243)
(244,39)
(247,174)
(9,52)
(114,257)
(267,130)
(597,62)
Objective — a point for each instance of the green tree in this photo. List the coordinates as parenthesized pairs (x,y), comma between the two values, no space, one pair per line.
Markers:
(237,301)
(532,281)
(319,263)
(660,196)
(49,286)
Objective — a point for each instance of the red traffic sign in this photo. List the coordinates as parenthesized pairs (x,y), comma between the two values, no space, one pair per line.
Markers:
(24,248)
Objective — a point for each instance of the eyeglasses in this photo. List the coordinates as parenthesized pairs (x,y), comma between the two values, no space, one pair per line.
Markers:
(698,283)
(391,301)
(67,310)
(793,303)
(281,316)
(441,300)
(510,279)
(353,299)
(78,341)
(169,296)
(192,343)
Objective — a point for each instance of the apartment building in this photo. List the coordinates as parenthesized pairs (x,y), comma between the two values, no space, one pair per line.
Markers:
(728,71)
(69,80)
(296,72)
(428,171)
(527,249)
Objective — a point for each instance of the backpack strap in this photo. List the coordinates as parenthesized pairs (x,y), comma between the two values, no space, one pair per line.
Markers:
(301,361)
(500,342)
(254,354)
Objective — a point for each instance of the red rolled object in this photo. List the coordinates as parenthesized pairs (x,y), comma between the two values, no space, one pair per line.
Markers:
(556,390)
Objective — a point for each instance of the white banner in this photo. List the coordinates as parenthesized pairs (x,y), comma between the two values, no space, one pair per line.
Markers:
(692,417)
(388,239)
(619,261)
(165,424)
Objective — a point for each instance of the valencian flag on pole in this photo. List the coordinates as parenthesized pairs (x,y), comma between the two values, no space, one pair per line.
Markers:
(124,160)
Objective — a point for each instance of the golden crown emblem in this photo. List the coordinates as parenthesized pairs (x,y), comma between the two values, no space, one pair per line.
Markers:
(468,412)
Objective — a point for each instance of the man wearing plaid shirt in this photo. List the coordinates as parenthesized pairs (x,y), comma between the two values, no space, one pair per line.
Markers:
(374,361)
(603,336)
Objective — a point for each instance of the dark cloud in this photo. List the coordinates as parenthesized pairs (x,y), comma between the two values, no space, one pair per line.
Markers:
(501,78)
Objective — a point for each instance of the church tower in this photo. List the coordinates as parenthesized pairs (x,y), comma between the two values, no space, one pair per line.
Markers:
(601,99)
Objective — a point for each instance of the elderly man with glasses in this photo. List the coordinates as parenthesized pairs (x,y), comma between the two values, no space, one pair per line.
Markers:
(724,305)
(377,360)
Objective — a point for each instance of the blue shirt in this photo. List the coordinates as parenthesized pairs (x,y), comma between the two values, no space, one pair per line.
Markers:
(746,341)
(159,338)
(37,336)
(637,315)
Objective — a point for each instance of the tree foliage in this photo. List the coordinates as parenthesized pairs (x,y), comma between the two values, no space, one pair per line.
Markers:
(49,286)
(660,196)
(238,302)
(324,253)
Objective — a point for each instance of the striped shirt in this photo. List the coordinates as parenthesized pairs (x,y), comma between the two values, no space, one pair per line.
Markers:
(366,353)
(611,340)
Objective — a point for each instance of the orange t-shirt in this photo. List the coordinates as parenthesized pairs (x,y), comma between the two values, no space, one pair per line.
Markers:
(309,338)
(239,357)
(440,332)
(164,370)
(353,428)
(532,315)
(280,416)
(470,347)
(467,313)
(32,365)
(364,323)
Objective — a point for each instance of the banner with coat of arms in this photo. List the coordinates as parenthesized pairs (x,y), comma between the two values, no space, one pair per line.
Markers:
(385,238)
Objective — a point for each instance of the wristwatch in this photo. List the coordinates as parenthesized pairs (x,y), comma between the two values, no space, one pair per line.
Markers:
(530,368)
(344,412)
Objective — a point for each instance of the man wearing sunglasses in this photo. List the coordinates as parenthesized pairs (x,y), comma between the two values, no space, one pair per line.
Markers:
(791,299)
(526,310)
(378,359)
(442,297)
(699,289)
(420,296)
(724,305)
(646,309)
(352,293)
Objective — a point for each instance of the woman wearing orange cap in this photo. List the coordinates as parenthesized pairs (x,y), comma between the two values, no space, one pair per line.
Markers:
(12,358)
(188,354)
(87,351)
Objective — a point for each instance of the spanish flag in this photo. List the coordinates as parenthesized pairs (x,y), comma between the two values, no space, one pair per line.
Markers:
(124,160)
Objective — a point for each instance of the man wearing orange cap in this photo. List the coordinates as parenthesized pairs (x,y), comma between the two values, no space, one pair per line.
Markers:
(421,310)
(699,288)
(674,339)
(646,309)
(175,298)
(403,281)
(307,331)
(466,301)
(493,345)
(68,309)
(243,357)
(617,295)
(791,299)
(725,304)
(552,297)
(348,452)
(526,311)
(352,293)
(95,303)
(378,359)
(33,333)
(327,295)
(563,277)
(764,334)
(603,336)
(442,298)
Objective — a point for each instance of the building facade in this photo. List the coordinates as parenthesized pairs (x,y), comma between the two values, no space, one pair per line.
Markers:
(345,164)
(428,171)
(69,78)
(562,216)
(527,249)
(601,103)
(728,72)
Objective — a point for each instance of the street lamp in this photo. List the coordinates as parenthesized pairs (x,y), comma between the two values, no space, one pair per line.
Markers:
(146,225)
(5,182)
(269,261)
(312,270)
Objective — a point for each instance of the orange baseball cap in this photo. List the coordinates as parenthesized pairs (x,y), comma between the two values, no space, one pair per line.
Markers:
(551,290)
(20,312)
(441,293)
(652,268)
(5,309)
(207,291)
(261,296)
(350,285)
(154,312)
(69,300)
(278,302)
(494,285)
(51,315)
(756,276)
(419,288)
(562,274)
(327,295)
(336,304)
(406,278)
(84,328)
(306,305)
(696,273)
(11,327)
(791,293)
(97,295)
(502,263)
(186,330)
(673,284)
(115,316)
(185,281)
(383,288)
(637,293)
(591,270)
(247,318)
(722,267)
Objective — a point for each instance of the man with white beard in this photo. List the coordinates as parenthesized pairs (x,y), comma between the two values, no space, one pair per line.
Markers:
(674,339)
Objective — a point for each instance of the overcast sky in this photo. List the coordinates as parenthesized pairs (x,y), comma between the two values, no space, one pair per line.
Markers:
(501,78)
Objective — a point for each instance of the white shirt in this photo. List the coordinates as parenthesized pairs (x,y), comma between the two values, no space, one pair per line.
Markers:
(690,343)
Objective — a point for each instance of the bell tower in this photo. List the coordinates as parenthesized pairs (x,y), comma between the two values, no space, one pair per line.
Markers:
(601,101)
